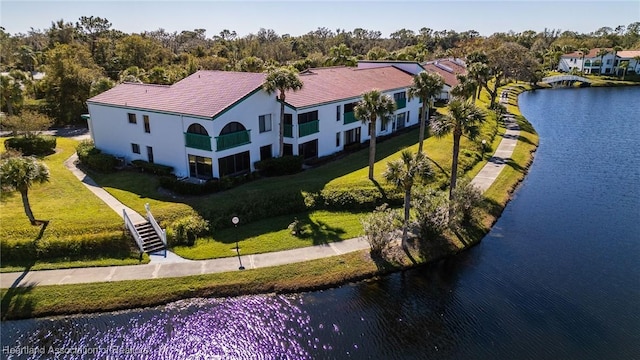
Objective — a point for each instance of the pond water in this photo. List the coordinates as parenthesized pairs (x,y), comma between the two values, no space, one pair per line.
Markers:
(558,277)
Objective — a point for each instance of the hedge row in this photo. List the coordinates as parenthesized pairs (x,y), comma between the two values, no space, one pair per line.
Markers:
(210,186)
(40,145)
(157,169)
(73,247)
(285,165)
(94,159)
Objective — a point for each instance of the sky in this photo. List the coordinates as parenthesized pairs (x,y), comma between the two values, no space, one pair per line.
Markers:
(300,17)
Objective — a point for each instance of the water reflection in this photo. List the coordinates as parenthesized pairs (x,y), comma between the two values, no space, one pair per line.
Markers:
(258,327)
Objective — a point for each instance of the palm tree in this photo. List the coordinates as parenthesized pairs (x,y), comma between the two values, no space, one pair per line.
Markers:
(465,89)
(463,118)
(374,105)
(11,93)
(403,173)
(425,86)
(624,65)
(20,173)
(282,79)
(478,72)
(601,53)
(583,52)
(637,59)
(615,54)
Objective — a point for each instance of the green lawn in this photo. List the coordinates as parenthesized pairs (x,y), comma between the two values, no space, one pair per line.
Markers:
(319,227)
(73,212)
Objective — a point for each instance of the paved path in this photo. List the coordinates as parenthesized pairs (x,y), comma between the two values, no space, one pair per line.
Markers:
(174,266)
(498,161)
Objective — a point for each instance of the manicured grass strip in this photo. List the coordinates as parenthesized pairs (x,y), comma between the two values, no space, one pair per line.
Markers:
(319,227)
(84,298)
(66,263)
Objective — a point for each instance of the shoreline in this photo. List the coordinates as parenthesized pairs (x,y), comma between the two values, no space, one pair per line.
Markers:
(311,275)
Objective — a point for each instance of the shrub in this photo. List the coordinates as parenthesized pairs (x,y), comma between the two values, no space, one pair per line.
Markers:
(465,204)
(153,168)
(94,159)
(69,247)
(184,231)
(431,209)
(295,227)
(187,188)
(378,229)
(275,203)
(358,198)
(39,145)
(285,165)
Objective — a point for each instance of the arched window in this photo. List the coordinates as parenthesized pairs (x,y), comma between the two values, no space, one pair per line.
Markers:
(587,63)
(232,128)
(197,129)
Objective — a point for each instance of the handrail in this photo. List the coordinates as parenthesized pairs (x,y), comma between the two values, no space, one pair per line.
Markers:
(156,227)
(129,225)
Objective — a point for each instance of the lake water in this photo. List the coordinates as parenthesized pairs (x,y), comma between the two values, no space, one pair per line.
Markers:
(558,277)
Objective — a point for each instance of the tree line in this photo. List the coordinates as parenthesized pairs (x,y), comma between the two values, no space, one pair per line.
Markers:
(84,58)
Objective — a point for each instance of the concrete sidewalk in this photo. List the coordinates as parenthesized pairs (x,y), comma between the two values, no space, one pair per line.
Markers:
(498,161)
(174,266)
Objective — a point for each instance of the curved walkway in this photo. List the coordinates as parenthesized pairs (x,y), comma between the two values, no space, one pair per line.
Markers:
(174,266)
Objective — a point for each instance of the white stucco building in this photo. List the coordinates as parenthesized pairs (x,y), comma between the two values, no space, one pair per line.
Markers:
(591,64)
(218,123)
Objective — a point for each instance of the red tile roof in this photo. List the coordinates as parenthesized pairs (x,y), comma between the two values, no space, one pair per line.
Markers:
(628,54)
(330,84)
(592,53)
(205,93)
(448,77)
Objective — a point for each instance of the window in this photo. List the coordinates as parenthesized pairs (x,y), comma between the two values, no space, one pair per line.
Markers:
(338,108)
(400,120)
(400,96)
(135,148)
(265,152)
(337,139)
(264,123)
(287,150)
(408,116)
(307,117)
(383,123)
(608,61)
(352,136)
(232,128)
(147,127)
(132,118)
(197,129)
(150,154)
(234,164)
(308,150)
(349,107)
(200,167)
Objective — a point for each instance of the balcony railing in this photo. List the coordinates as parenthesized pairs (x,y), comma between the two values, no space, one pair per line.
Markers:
(288,130)
(228,141)
(308,128)
(349,118)
(402,103)
(198,141)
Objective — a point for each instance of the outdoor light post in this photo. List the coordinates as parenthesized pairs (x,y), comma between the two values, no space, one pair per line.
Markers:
(235,220)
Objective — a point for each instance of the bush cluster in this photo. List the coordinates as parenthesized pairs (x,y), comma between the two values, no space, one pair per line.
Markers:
(178,186)
(156,169)
(276,203)
(361,198)
(94,159)
(40,145)
(378,229)
(186,230)
(285,165)
(71,247)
